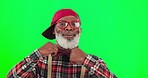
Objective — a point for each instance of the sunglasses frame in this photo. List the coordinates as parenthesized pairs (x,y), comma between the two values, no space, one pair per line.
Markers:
(69,23)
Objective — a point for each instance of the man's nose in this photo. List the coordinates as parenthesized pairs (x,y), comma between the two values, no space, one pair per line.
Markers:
(69,28)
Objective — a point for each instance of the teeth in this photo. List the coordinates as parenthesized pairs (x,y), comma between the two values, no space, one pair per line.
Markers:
(68,36)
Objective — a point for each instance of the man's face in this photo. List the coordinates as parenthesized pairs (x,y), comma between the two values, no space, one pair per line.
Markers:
(67,31)
(66,27)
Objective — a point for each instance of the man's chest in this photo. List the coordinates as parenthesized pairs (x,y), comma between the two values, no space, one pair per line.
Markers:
(61,68)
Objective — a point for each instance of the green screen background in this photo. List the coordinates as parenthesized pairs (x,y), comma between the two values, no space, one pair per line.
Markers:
(115,30)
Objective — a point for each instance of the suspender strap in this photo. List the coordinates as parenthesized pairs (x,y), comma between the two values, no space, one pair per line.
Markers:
(82,72)
(50,68)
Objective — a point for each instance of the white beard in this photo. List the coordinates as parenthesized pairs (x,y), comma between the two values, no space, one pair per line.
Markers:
(67,44)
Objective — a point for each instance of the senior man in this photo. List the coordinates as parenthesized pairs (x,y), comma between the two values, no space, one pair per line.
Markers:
(63,59)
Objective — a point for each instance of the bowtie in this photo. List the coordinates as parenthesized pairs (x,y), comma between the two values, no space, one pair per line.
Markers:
(63,52)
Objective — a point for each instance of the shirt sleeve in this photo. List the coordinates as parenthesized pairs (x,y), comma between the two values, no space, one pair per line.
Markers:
(97,67)
(26,68)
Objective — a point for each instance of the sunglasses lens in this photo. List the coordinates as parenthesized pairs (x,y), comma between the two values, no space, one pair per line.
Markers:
(75,24)
(62,24)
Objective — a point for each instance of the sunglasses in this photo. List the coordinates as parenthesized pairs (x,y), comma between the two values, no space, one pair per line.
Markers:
(75,24)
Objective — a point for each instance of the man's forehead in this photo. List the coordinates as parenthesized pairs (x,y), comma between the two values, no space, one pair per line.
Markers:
(69,18)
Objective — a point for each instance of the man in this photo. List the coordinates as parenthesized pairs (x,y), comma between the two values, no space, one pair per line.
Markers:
(66,57)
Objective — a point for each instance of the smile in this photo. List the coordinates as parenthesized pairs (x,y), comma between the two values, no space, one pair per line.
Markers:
(68,36)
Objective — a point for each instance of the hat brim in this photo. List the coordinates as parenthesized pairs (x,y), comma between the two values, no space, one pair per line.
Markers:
(48,33)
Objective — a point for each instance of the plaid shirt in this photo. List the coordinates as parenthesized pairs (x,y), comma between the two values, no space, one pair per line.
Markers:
(35,66)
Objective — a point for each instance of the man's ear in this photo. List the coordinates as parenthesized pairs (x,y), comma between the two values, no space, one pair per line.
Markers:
(53,32)
(80,30)
(54,29)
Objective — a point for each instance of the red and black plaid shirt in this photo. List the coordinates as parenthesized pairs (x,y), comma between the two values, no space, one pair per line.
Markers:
(35,66)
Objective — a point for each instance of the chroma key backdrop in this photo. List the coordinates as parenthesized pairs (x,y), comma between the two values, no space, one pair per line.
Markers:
(115,30)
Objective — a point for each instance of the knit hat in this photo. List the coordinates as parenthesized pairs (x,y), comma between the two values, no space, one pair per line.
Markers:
(48,33)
